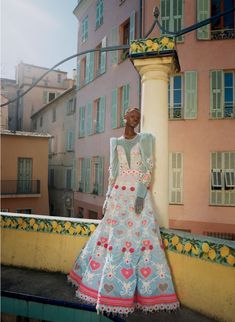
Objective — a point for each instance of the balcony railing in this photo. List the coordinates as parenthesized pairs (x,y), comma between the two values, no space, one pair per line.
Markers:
(175,112)
(16,187)
(222,34)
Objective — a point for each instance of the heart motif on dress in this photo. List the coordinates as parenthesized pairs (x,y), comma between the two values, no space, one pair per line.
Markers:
(144,222)
(119,232)
(146,271)
(130,224)
(94,265)
(114,222)
(128,244)
(146,242)
(127,272)
(108,287)
(103,239)
(163,287)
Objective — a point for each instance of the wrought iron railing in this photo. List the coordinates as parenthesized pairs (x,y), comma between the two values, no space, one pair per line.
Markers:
(222,34)
(175,113)
(16,187)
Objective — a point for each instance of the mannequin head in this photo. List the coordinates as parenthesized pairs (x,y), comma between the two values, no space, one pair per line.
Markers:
(132,117)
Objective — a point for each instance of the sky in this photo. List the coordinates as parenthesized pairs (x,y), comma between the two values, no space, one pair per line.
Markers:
(37,32)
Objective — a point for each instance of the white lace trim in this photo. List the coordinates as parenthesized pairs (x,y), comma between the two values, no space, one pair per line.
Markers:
(86,298)
(72,281)
(158,307)
(114,309)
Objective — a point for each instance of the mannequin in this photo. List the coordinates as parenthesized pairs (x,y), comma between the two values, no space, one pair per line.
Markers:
(123,266)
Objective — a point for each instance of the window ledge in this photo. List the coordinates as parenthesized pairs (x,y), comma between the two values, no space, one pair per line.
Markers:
(29,195)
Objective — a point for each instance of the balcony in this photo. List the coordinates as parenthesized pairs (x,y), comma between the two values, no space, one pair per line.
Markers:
(18,188)
(222,34)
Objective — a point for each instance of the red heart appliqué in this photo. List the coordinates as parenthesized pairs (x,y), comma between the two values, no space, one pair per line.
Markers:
(94,265)
(127,272)
(145,271)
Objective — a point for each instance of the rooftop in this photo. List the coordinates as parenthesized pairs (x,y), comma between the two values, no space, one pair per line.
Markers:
(22,133)
(53,288)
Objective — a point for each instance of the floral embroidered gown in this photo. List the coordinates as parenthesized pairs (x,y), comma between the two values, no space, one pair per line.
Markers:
(123,265)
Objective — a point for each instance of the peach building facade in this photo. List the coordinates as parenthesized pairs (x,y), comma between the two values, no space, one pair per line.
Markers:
(200,106)
(58,119)
(24,168)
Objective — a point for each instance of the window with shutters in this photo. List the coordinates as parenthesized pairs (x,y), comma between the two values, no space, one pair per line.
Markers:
(70,140)
(222,180)
(172,16)
(99,13)
(182,96)
(71,106)
(127,33)
(68,178)
(221,28)
(97,175)
(100,59)
(85,29)
(83,71)
(81,126)
(41,121)
(85,175)
(81,171)
(222,89)
(175,178)
(120,103)
(100,114)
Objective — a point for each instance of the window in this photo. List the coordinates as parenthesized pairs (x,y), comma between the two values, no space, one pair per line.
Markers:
(85,29)
(100,59)
(54,115)
(222,94)
(41,121)
(81,127)
(114,42)
(182,96)
(80,212)
(221,28)
(120,103)
(99,13)
(35,124)
(71,106)
(92,214)
(222,183)
(52,145)
(24,177)
(97,175)
(68,178)
(127,33)
(58,78)
(70,140)
(89,69)
(84,175)
(175,178)
(172,15)
(49,96)
(96,116)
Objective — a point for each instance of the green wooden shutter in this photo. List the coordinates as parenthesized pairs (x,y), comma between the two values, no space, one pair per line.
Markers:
(87,174)
(103,57)
(78,74)
(190,104)
(175,177)
(83,167)
(203,12)
(216,93)
(44,97)
(81,121)
(132,26)
(114,42)
(91,66)
(87,71)
(165,14)
(114,109)
(69,140)
(101,120)
(89,119)
(177,17)
(125,102)
(101,176)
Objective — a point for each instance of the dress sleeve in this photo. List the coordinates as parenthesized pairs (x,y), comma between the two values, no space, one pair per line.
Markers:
(113,167)
(146,148)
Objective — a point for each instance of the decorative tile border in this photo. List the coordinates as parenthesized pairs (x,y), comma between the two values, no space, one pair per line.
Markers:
(52,225)
(207,248)
(151,45)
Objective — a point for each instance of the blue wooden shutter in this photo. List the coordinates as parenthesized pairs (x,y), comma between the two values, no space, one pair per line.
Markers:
(132,26)
(216,93)
(91,66)
(78,74)
(165,14)
(89,119)
(81,121)
(101,120)
(87,174)
(190,104)
(178,17)
(203,12)
(114,109)
(125,101)
(114,42)
(101,176)
(87,68)
(103,57)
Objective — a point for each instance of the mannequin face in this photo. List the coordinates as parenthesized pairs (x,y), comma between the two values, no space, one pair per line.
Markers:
(132,118)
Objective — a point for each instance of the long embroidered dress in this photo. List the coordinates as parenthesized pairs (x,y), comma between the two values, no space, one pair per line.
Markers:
(123,265)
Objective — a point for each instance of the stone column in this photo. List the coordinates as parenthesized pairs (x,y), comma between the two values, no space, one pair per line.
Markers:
(155,72)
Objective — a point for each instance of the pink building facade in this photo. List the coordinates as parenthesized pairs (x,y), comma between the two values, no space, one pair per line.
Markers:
(201,107)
